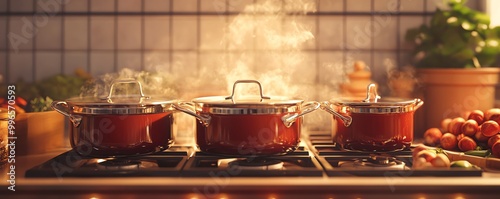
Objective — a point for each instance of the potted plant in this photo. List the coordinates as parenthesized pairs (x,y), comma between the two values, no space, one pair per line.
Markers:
(454,55)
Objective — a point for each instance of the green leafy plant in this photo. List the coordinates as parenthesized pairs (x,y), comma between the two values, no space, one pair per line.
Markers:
(456,38)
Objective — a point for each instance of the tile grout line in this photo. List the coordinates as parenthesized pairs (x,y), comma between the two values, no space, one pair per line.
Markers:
(372,38)
(89,37)
(115,33)
(33,54)
(143,36)
(198,38)
(7,50)
(171,38)
(63,53)
(318,63)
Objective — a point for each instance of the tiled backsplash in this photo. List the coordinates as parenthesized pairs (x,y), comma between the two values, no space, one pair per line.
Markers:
(103,36)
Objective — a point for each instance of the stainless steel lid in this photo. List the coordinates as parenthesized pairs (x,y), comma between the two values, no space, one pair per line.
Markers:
(247,105)
(121,104)
(375,104)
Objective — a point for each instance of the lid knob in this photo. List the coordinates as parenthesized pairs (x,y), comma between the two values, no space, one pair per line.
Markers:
(371,93)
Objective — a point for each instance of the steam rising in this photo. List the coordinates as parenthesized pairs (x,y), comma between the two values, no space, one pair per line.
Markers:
(264,43)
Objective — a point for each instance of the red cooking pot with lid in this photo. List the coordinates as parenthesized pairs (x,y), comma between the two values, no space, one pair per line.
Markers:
(373,124)
(119,124)
(247,126)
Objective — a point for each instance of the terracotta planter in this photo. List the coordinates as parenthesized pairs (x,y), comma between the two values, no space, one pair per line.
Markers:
(450,93)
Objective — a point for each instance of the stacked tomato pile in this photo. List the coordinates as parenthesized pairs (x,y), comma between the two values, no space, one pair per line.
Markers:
(476,134)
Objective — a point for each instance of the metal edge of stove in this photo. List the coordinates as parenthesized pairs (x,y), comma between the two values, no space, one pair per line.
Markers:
(191,171)
(434,172)
(68,164)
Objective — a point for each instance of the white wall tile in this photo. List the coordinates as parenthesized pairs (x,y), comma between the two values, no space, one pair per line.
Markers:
(21,66)
(405,57)
(102,31)
(22,5)
(433,4)
(157,5)
(212,60)
(3,33)
(307,25)
(359,6)
(412,6)
(48,6)
(241,37)
(238,5)
(101,62)
(102,5)
(156,61)
(330,6)
(217,6)
(75,33)
(298,6)
(3,70)
(47,64)
(360,32)
(406,23)
(3,5)
(305,70)
(21,33)
(385,32)
(74,60)
(383,61)
(352,56)
(157,32)
(129,33)
(129,59)
(129,5)
(212,32)
(185,5)
(331,68)
(331,35)
(184,64)
(49,36)
(387,5)
(267,32)
(76,5)
(184,33)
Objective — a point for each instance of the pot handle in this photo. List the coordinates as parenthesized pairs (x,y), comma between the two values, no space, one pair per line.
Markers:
(188,108)
(347,120)
(126,81)
(418,103)
(262,97)
(289,119)
(62,107)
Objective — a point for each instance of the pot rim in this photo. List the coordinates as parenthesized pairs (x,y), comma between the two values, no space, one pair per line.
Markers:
(385,105)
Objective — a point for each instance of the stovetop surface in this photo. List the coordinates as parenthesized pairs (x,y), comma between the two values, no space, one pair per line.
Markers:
(317,156)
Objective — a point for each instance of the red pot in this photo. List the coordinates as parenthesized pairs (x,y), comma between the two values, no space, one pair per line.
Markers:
(373,124)
(248,127)
(118,125)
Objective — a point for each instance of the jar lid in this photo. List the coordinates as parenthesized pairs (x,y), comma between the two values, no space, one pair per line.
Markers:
(373,103)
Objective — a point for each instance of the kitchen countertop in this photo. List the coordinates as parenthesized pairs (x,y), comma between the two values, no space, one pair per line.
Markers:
(487,186)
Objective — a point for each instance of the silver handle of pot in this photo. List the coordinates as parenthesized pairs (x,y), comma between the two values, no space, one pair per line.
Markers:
(262,97)
(308,107)
(126,81)
(188,108)
(347,120)
(418,103)
(61,107)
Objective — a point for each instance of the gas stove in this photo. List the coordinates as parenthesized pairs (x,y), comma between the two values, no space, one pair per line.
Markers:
(316,156)
(338,162)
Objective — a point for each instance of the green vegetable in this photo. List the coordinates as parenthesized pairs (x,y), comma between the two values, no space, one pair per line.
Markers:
(40,104)
(479,153)
(461,164)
